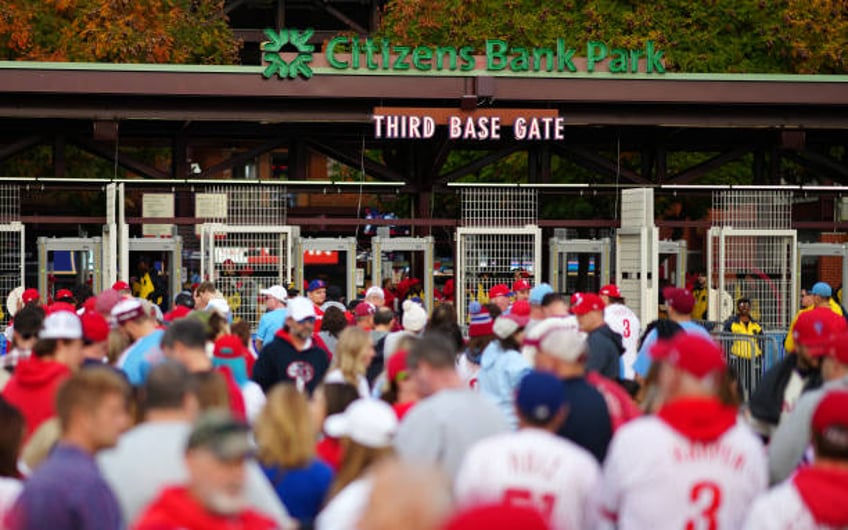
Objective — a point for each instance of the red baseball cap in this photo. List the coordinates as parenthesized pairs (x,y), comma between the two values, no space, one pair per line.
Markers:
(610,290)
(120,285)
(814,329)
(499,290)
(520,285)
(838,347)
(681,300)
(364,309)
(60,306)
(30,295)
(832,411)
(63,293)
(229,346)
(582,303)
(178,312)
(691,353)
(94,327)
(520,312)
(397,365)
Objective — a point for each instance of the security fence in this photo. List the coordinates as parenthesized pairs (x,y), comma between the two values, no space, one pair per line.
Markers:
(750,356)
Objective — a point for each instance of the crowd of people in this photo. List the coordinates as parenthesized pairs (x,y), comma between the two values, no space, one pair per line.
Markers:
(544,410)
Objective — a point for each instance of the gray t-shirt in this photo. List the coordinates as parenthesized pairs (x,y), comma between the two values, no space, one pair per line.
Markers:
(792,437)
(441,428)
(152,456)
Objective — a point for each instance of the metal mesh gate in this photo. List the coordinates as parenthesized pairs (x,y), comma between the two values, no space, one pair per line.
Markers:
(496,206)
(11,259)
(752,254)
(245,246)
(12,241)
(499,241)
(242,260)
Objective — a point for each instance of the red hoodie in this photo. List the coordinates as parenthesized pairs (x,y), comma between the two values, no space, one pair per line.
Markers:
(176,508)
(824,491)
(32,389)
(699,419)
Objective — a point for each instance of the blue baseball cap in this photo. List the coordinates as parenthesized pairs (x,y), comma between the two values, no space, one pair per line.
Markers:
(539,292)
(314,285)
(540,396)
(822,289)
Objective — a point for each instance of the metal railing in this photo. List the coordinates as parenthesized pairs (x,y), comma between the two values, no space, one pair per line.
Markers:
(751,356)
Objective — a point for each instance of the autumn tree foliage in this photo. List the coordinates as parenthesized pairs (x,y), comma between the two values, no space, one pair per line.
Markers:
(710,36)
(118,31)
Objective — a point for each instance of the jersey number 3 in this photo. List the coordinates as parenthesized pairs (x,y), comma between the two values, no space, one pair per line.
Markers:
(544,504)
(625,332)
(706,497)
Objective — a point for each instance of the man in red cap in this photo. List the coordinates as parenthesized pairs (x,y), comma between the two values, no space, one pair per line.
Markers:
(680,303)
(64,295)
(605,347)
(31,296)
(789,442)
(95,337)
(364,314)
(798,372)
(815,496)
(122,287)
(521,289)
(499,295)
(692,465)
(622,320)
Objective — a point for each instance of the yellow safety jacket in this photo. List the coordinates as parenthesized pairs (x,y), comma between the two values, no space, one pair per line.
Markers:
(789,343)
(743,347)
(699,311)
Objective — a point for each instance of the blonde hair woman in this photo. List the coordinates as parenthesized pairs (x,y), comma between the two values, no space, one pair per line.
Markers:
(354,352)
(286,438)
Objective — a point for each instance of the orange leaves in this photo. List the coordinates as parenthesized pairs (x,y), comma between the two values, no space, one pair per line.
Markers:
(148,31)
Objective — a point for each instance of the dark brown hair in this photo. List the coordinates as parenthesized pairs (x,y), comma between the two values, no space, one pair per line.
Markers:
(11,438)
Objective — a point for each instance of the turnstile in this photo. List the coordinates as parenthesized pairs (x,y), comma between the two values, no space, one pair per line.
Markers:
(579,264)
(382,244)
(80,262)
(327,246)
(672,261)
(170,254)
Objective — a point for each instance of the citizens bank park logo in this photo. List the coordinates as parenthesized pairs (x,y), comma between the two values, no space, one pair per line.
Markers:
(276,64)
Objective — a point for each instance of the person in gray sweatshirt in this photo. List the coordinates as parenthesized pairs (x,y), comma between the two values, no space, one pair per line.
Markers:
(152,455)
(789,443)
(452,417)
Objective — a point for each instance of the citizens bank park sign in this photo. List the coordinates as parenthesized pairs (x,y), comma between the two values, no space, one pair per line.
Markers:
(287,54)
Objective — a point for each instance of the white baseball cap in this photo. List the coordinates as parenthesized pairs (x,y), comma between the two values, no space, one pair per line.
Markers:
(368,422)
(558,337)
(128,309)
(61,325)
(375,291)
(220,305)
(277,291)
(301,308)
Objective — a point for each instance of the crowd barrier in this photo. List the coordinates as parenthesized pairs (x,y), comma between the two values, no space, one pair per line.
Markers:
(751,355)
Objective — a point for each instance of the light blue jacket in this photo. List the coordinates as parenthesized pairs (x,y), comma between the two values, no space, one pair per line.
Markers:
(498,378)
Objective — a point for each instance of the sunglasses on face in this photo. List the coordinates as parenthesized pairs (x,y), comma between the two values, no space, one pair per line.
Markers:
(310,320)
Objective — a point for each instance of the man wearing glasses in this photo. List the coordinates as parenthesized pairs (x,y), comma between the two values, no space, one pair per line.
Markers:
(292,355)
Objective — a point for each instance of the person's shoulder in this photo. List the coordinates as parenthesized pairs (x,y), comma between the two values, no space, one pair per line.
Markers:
(778,505)
(645,427)
(743,437)
(320,468)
